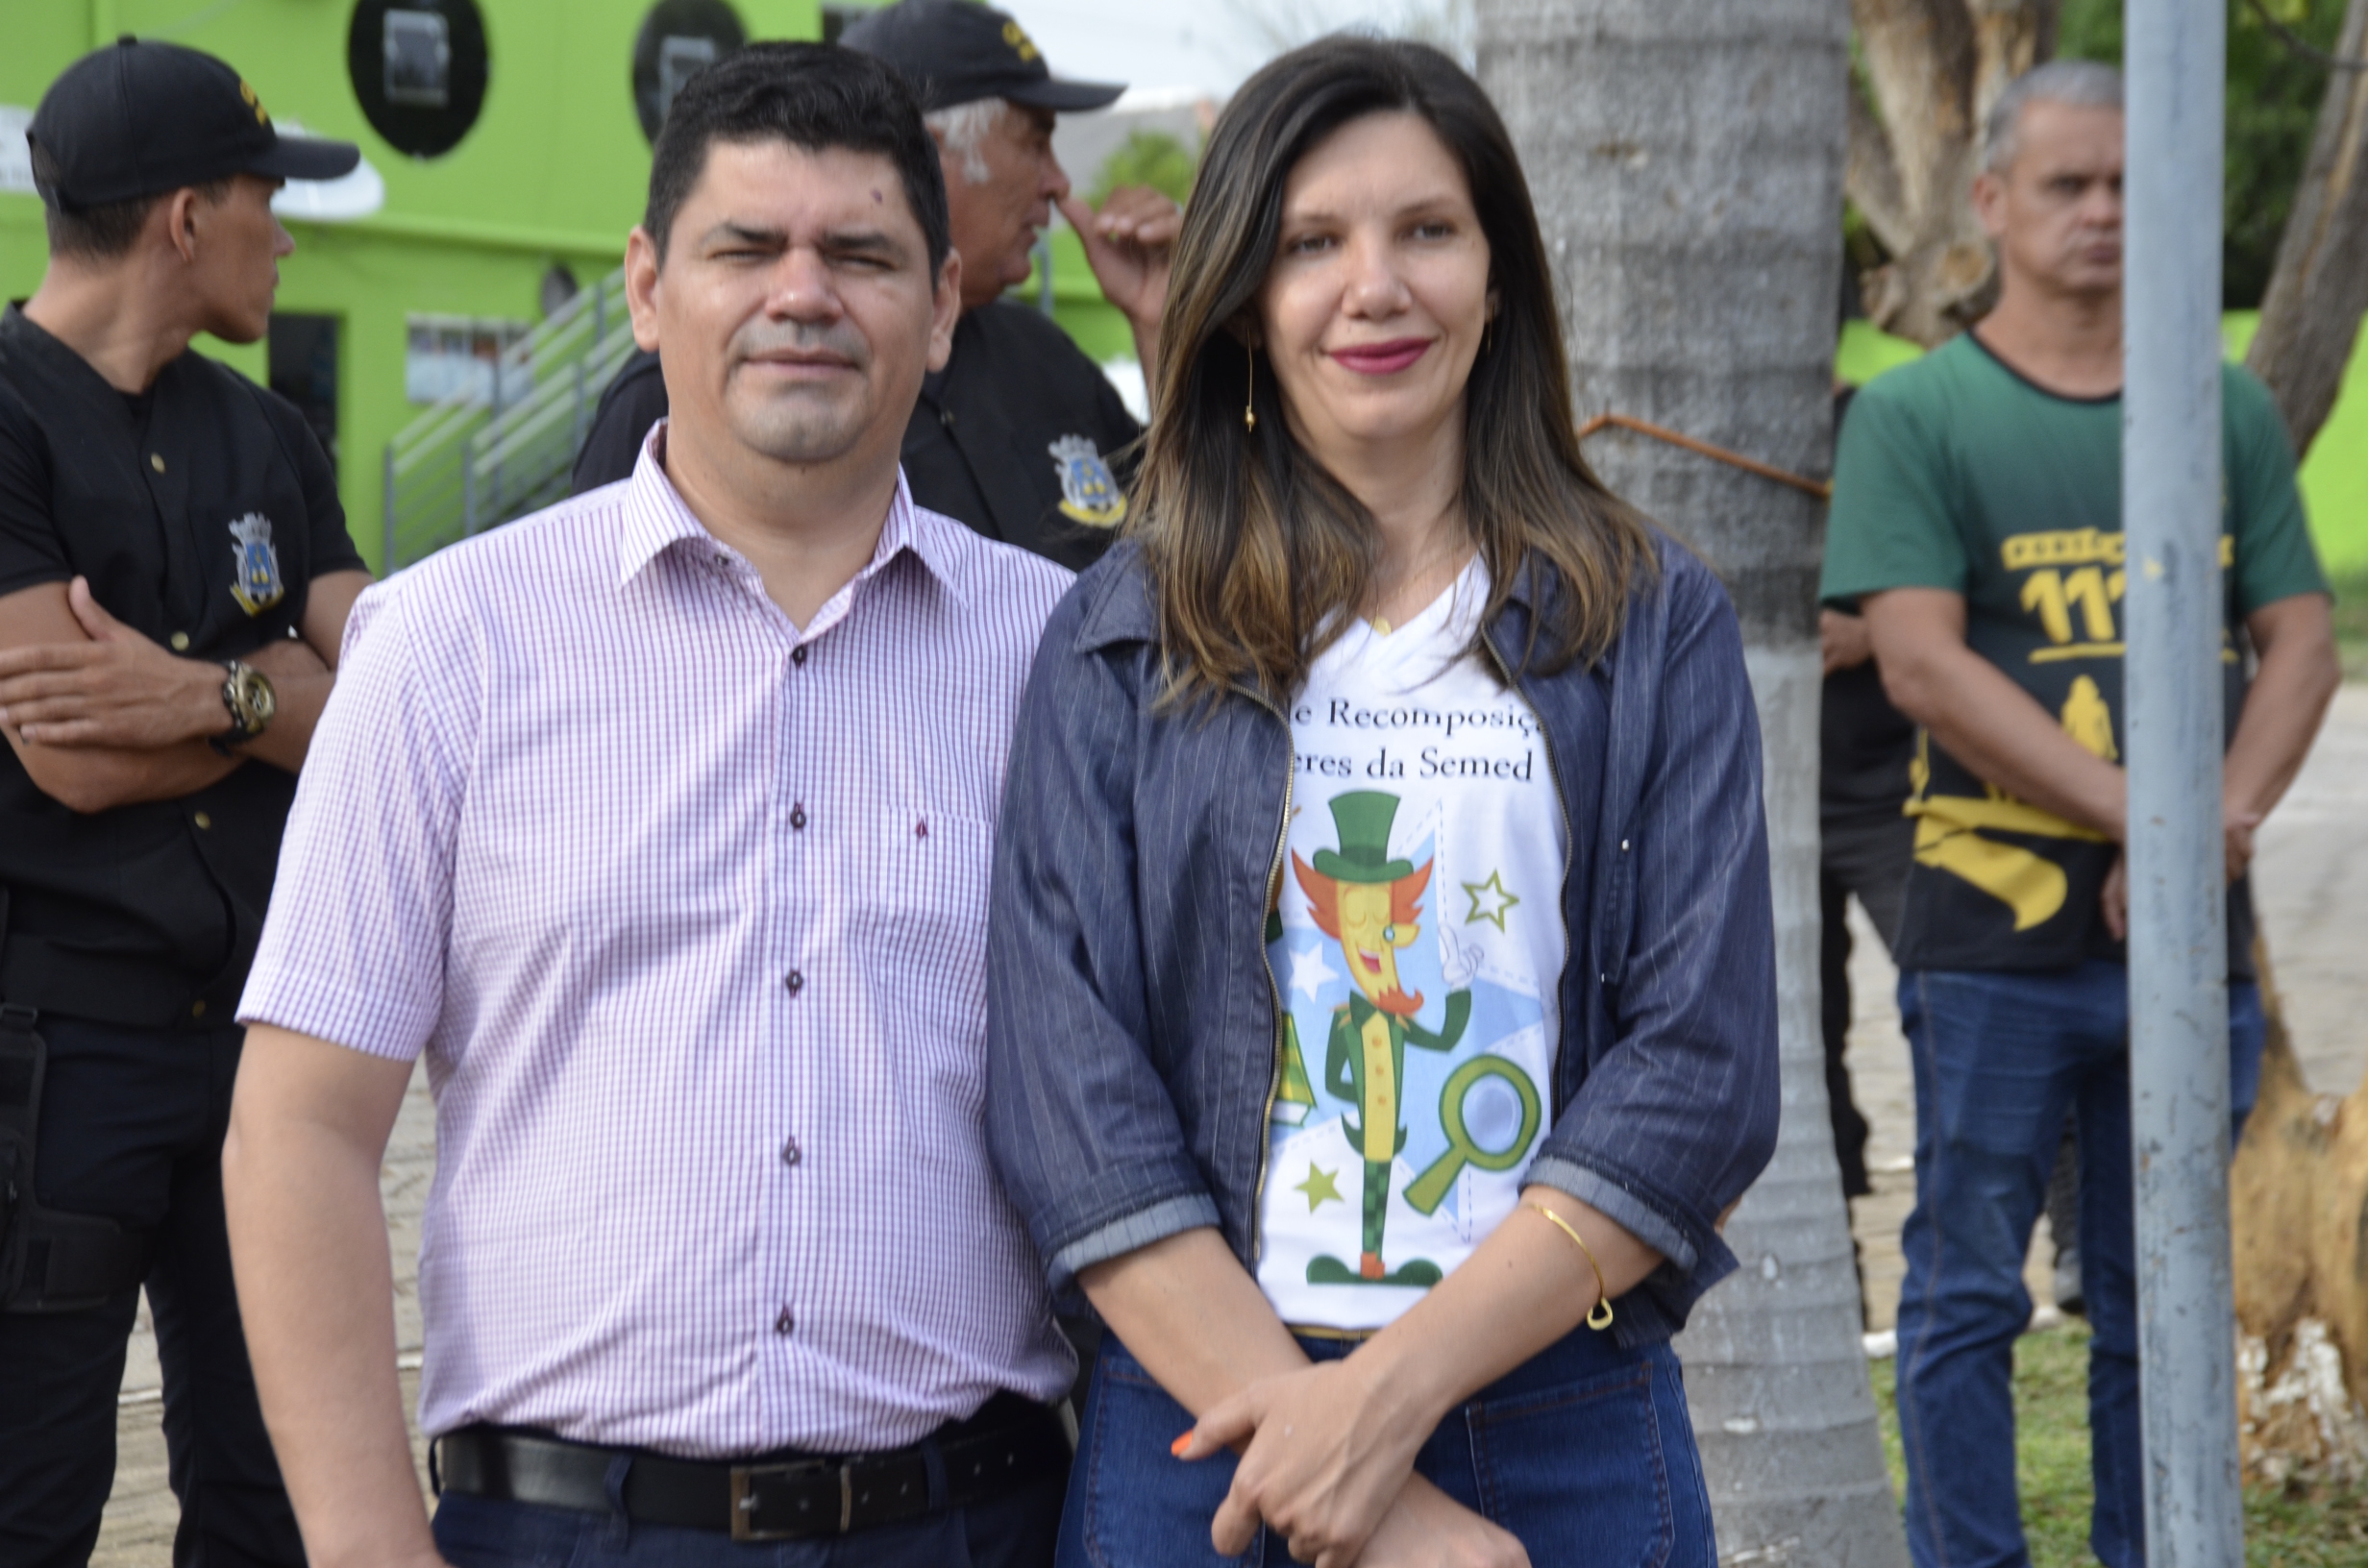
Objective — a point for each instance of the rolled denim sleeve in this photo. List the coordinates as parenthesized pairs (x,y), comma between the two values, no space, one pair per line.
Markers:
(1081,1126)
(1678,1115)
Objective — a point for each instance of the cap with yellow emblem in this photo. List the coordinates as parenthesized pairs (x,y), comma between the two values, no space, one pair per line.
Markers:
(143,117)
(958,52)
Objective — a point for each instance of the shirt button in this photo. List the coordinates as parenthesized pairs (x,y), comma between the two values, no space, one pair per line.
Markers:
(797,818)
(797,655)
(796,982)
(181,642)
(197,1010)
(783,1324)
(156,460)
(1623,847)
(204,822)
(790,1153)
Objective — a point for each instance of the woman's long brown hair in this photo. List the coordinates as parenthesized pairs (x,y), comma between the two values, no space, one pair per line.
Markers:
(1259,555)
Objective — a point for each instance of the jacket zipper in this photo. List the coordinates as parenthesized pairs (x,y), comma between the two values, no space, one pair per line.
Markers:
(1562,809)
(1274,892)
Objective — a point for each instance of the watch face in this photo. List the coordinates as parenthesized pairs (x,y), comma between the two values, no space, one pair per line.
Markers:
(261,700)
(251,700)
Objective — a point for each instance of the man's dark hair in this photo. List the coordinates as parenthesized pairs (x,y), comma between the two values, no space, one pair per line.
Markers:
(100,233)
(814,96)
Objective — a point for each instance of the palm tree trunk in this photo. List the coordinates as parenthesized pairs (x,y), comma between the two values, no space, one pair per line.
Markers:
(1686,157)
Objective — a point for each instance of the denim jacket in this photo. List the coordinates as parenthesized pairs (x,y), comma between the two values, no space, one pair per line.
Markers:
(1131,1019)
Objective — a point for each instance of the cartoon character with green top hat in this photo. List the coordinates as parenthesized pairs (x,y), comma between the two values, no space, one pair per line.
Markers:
(1368,903)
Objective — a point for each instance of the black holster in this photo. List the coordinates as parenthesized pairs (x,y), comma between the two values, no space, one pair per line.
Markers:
(50,1260)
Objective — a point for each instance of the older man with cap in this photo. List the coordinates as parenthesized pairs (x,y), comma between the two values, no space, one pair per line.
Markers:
(1017,436)
(174,578)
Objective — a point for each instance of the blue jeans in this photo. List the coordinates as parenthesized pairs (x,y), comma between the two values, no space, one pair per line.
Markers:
(1584,1453)
(1999,1058)
(1015,1531)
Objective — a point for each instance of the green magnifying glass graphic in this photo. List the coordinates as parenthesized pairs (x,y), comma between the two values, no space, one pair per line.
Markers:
(1428,1190)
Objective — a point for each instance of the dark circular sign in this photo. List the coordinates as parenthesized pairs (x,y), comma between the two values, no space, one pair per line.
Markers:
(676,38)
(419,69)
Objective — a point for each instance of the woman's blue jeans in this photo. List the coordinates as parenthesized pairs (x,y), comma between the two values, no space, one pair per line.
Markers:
(1999,1058)
(1584,1453)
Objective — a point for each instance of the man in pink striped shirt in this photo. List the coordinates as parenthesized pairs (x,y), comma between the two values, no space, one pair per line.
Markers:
(660,822)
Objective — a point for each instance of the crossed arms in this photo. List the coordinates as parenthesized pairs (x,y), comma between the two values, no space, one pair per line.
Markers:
(102,717)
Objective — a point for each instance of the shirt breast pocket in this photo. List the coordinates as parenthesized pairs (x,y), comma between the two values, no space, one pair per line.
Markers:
(926,936)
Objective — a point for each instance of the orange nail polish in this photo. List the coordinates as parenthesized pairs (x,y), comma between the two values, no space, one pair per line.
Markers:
(1182,1443)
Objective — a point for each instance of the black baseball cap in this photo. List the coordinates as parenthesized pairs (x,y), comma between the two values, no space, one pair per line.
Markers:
(958,52)
(143,117)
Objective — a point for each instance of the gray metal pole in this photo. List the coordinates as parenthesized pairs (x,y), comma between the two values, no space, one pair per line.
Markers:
(2176,53)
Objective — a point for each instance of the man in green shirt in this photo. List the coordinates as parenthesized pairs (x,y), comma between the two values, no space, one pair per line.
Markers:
(1976,525)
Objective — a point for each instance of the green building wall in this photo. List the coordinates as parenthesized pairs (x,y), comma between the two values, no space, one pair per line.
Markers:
(553,172)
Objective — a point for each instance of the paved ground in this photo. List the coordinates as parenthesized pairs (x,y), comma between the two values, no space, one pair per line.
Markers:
(2312,883)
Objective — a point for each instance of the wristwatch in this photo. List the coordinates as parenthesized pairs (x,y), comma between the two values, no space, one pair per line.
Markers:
(247,697)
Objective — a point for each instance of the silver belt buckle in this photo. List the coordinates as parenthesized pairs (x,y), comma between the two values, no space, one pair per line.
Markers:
(745,1479)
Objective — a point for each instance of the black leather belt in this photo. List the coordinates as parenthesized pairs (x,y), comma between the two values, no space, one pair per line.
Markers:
(1010,1443)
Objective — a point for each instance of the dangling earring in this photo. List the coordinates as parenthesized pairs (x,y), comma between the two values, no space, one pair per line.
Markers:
(1250,396)
(1487,335)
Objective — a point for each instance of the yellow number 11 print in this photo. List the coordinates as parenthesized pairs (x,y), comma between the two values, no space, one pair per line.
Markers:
(2055,596)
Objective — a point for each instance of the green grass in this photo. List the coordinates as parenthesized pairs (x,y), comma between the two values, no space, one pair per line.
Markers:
(2299,1529)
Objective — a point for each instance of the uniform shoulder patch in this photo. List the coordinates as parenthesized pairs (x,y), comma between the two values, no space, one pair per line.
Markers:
(1089,493)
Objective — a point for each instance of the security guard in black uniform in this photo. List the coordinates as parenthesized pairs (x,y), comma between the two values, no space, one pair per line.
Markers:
(175,574)
(1021,435)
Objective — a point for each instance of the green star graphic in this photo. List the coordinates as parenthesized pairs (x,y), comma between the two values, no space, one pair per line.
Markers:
(1320,1186)
(1491,892)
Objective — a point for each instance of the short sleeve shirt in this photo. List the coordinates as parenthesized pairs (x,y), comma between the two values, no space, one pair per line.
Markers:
(1956,473)
(1416,948)
(200,511)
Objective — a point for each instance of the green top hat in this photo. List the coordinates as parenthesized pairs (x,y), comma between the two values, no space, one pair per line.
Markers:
(1364,817)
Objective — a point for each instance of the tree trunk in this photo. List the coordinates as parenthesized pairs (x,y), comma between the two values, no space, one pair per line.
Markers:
(2298,1196)
(2298,1188)
(2319,291)
(1687,161)
(1935,68)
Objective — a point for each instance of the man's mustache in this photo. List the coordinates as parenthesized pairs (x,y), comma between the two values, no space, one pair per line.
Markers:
(770,338)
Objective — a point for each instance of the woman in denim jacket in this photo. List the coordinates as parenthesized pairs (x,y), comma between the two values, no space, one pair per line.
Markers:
(1382,1008)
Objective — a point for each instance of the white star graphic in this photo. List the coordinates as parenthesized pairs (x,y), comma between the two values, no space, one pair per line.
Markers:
(1310,969)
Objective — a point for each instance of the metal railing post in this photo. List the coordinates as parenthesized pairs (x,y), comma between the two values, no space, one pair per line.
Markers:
(498,503)
(576,416)
(386,521)
(2177,54)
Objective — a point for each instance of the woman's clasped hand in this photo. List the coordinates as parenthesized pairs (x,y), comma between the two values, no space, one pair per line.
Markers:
(1324,1452)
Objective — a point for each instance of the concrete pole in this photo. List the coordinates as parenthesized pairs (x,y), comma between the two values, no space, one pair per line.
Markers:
(2177,54)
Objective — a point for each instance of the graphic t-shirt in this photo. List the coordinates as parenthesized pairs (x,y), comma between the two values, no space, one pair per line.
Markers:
(1957,473)
(1417,949)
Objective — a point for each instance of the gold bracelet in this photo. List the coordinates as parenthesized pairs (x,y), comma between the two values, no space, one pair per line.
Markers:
(1599,1315)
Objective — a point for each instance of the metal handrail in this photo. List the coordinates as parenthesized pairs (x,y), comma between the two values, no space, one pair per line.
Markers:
(471,461)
